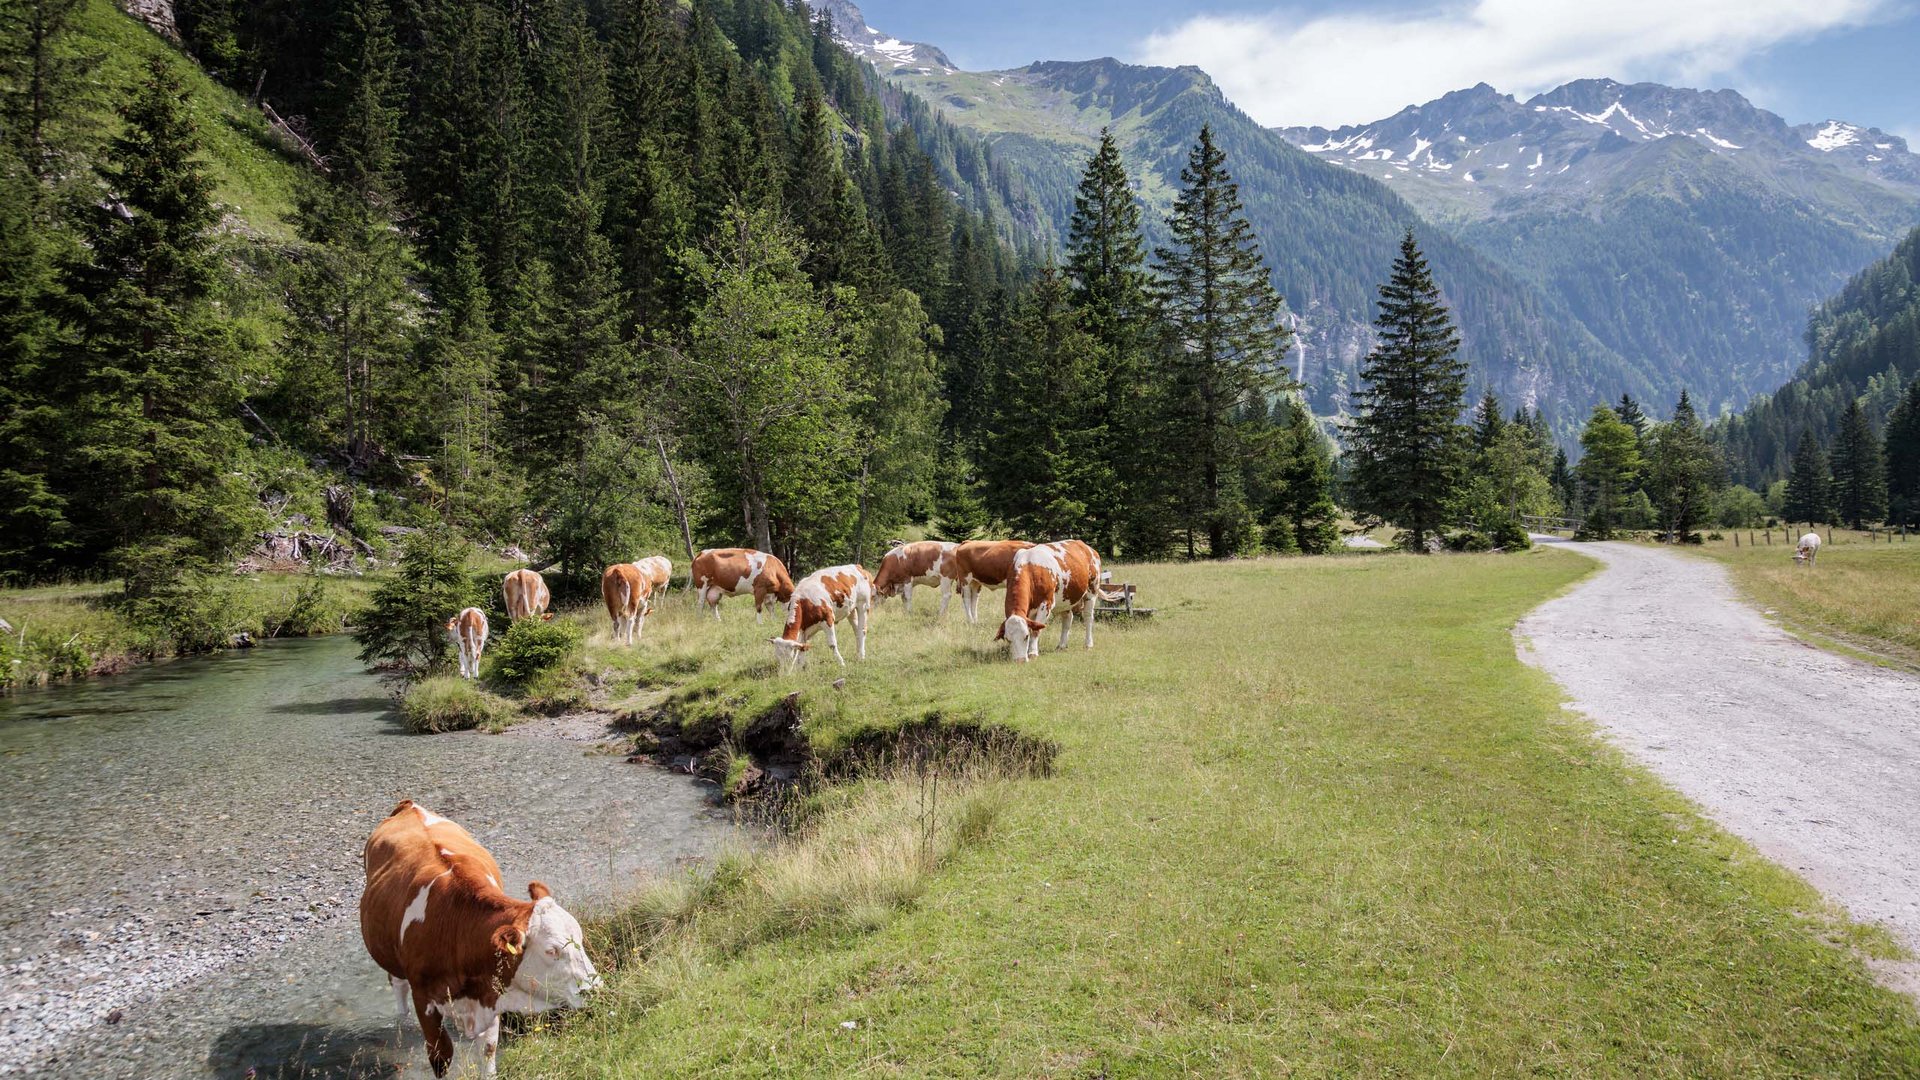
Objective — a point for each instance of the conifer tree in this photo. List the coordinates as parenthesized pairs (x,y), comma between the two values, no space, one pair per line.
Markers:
(464,362)
(898,416)
(360,133)
(43,80)
(1406,437)
(159,378)
(34,531)
(1683,471)
(1043,467)
(1106,261)
(1217,298)
(1633,416)
(1487,422)
(1609,466)
(1809,485)
(1903,458)
(1859,493)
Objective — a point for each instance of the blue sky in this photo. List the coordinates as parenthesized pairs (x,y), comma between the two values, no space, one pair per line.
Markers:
(1350,61)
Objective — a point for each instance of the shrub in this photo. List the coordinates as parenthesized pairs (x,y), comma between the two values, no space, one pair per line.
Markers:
(1469,540)
(405,625)
(531,648)
(450,703)
(184,613)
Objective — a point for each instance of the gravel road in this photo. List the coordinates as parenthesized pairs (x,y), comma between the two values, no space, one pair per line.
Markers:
(1811,757)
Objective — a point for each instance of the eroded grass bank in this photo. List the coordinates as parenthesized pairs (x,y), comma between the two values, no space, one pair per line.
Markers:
(1313,819)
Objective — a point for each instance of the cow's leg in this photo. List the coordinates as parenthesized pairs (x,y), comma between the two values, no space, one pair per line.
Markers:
(1066,626)
(970,600)
(906,594)
(490,1043)
(833,641)
(860,626)
(946,594)
(640,624)
(439,1043)
(400,989)
(1086,614)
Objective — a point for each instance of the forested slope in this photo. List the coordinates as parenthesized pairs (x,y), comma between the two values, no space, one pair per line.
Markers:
(1863,344)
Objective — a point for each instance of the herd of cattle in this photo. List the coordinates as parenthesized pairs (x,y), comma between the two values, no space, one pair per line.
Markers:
(461,951)
(1039,579)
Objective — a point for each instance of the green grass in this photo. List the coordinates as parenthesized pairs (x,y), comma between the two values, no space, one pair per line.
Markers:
(451,703)
(1312,819)
(1863,592)
(72,630)
(256,179)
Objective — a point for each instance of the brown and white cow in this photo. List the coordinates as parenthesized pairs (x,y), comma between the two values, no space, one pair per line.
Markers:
(469,633)
(1062,576)
(980,564)
(526,595)
(919,563)
(822,599)
(722,572)
(659,573)
(436,920)
(627,591)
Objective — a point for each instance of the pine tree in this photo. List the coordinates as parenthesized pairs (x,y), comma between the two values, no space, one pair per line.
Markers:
(34,530)
(898,416)
(1859,493)
(1809,485)
(821,200)
(1106,262)
(43,82)
(1295,482)
(1487,422)
(360,132)
(1217,299)
(159,378)
(463,357)
(1903,458)
(1633,416)
(1043,467)
(1609,466)
(1406,437)
(1683,472)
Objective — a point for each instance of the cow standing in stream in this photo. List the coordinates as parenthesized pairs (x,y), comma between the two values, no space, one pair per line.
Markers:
(436,920)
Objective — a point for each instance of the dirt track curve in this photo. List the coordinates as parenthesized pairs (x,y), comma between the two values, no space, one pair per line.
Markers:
(1811,757)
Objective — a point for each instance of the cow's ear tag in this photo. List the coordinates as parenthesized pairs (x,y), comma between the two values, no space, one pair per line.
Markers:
(508,939)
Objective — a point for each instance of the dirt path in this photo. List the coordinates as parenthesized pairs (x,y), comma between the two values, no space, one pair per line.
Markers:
(1811,757)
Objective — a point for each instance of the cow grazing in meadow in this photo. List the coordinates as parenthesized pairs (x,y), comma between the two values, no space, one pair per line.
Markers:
(1062,576)
(469,633)
(821,599)
(658,570)
(627,592)
(980,564)
(722,572)
(1808,551)
(525,592)
(436,920)
(919,563)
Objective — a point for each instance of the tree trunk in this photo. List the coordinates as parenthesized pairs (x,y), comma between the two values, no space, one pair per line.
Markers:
(860,519)
(679,499)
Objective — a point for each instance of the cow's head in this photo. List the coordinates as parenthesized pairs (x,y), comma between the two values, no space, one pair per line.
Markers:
(1022,636)
(554,971)
(453,625)
(788,655)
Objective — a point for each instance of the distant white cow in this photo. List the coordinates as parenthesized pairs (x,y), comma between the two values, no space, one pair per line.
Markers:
(1809,549)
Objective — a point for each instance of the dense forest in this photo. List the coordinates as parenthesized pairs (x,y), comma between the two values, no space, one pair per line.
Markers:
(1863,344)
(597,280)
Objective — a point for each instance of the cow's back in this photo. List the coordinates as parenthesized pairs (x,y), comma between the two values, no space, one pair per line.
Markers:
(722,567)
(406,852)
(1082,569)
(989,562)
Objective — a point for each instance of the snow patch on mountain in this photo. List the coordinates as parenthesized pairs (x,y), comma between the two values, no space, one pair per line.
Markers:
(1834,136)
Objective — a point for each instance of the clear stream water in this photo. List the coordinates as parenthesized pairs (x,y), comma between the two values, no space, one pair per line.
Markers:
(180,859)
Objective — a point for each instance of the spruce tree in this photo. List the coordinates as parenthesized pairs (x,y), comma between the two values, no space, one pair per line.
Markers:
(34,530)
(1903,458)
(360,132)
(1106,262)
(1683,473)
(1609,467)
(1809,485)
(43,82)
(1406,437)
(1487,422)
(1859,493)
(159,377)
(898,416)
(1222,313)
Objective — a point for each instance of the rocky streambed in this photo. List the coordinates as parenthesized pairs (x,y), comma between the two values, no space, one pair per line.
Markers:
(180,858)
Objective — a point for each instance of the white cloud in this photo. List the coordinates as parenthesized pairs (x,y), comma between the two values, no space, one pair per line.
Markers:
(1294,68)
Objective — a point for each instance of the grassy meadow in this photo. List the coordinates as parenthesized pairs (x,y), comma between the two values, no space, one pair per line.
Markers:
(1863,593)
(1312,819)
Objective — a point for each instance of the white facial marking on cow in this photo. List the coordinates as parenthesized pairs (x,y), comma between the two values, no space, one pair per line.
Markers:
(417,911)
(554,970)
(491,880)
(428,817)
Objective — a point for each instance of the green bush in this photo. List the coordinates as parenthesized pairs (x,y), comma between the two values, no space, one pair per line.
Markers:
(531,648)
(405,625)
(449,703)
(185,613)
